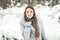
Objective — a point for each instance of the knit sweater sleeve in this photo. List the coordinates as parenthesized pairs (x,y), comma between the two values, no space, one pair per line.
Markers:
(41,27)
(22,26)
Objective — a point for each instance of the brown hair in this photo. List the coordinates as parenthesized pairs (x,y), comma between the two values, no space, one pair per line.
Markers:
(34,21)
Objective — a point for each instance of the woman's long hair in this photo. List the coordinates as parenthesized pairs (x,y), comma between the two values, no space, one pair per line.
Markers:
(34,21)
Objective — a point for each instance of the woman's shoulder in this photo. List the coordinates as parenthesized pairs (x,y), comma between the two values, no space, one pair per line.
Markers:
(39,19)
(22,19)
(40,22)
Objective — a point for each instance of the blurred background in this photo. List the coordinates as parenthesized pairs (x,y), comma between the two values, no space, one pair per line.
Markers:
(11,3)
(11,12)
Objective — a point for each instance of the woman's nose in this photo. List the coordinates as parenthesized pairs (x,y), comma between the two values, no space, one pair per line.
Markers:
(29,13)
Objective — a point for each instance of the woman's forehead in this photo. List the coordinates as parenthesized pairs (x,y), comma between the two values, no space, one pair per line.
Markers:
(29,9)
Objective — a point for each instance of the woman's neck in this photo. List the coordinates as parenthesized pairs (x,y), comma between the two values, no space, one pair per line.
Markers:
(28,20)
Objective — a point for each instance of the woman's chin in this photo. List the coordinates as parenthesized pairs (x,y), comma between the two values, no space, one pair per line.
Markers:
(29,17)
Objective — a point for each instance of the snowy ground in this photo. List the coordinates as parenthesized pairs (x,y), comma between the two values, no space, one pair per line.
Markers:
(10,18)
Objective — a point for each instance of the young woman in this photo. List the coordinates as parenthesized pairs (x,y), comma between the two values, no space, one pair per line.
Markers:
(31,25)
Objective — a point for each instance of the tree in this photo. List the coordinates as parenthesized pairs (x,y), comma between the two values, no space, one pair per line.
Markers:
(54,2)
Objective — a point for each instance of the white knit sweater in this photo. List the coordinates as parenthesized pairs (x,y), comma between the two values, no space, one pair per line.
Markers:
(26,27)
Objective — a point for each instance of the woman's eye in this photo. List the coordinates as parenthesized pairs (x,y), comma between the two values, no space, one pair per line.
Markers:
(27,11)
(30,11)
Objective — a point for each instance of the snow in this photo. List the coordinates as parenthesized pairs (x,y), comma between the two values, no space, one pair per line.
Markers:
(10,21)
(18,4)
(0,8)
(50,20)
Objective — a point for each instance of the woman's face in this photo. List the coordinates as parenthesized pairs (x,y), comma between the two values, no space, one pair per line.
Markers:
(29,13)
